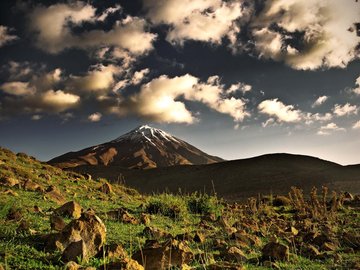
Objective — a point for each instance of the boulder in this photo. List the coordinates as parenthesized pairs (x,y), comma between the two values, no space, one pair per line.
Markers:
(233,254)
(114,251)
(69,209)
(275,251)
(54,194)
(124,264)
(57,223)
(160,257)
(154,233)
(8,181)
(32,186)
(225,266)
(83,237)
(123,216)
(71,266)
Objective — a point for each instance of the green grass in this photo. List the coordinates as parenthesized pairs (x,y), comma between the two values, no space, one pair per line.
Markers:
(172,214)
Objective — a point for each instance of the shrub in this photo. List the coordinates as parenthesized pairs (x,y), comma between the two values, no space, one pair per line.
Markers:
(204,204)
(167,205)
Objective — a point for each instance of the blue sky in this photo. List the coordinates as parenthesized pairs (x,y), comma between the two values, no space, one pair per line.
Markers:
(234,78)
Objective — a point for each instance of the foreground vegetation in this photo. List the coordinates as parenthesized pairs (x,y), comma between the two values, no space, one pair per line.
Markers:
(164,231)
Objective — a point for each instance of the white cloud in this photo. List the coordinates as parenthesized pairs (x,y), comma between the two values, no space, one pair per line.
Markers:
(242,87)
(356,90)
(329,128)
(327,41)
(319,101)
(58,100)
(17,88)
(356,125)
(36,117)
(107,12)
(268,122)
(95,117)
(203,20)
(160,99)
(99,78)
(283,113)
(139,76)
(5,36)
(53,26)
(346,109)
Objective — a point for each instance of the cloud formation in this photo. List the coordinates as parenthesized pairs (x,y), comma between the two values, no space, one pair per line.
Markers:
(283,113)
(202,20)
(53,26)
(95,117)
(328,129)
(327,30)
(5,36)
(344,110)
(163,99)
(356,90)
(319,101)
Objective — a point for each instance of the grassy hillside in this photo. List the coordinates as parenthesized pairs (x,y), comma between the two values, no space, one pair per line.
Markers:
(238,179)
(178,231)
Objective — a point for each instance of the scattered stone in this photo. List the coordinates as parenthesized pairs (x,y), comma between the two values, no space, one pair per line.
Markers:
(106,188)
(54,194)
(83,237)
(171,253)
(115,251)
(145,219)
(57,223)
(71,266)
(9,181)
(154,233)
(275,251)
(32,186)
(124,264)
(10,192)
(233,254)
(69,209)
(310,251)
(123,216)
(328,246)
(45,176)
(14,214)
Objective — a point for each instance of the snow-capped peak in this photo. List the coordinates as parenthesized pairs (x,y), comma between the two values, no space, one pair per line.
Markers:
(147,133)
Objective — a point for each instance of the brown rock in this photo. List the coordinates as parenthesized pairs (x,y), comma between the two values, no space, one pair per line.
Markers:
(233,254)
(115,251)
(87,233)
(328,246)
(154,233)
(69,209)
(145,219)
(32,186)
(106,188)
(124,264)
(310,251)
(171,253)
(54,194)
(71,266)
(8,181)
(57,223)
(45,176)
(10,192)
(123,216)
(275,251)
(225,266)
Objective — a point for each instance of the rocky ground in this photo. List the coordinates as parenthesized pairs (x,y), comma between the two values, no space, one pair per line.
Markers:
(52,219)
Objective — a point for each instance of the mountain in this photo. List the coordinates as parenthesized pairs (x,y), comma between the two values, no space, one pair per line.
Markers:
(239,179)
(142,148)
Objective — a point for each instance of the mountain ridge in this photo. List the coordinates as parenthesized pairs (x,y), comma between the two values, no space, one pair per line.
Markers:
(143,147)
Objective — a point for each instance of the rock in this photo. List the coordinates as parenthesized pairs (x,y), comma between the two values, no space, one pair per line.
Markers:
(233,254)
(82,237)
(145,219)
(57,223)
(8,181)
(171,253)
(275,251)
(69,209)
(106,188)
(199,238)
(281,201)
(115,251)
(154,233)
(54,194)
(123,216)
(10,192)
(14,214)
(124,264)
(45,176)
(71,266)
(32,186)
